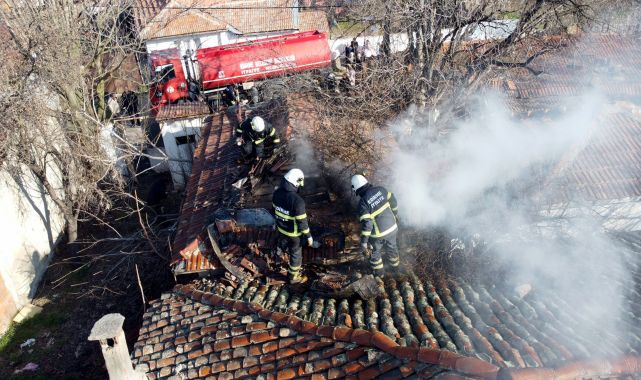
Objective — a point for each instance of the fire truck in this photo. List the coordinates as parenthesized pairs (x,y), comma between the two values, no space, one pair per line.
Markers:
(206,72)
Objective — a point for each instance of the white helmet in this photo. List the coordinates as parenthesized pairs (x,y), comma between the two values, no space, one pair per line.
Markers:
(258,124)
(358,181)
(295,177)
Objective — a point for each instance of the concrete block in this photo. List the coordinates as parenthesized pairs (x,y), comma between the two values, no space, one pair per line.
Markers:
(29,311)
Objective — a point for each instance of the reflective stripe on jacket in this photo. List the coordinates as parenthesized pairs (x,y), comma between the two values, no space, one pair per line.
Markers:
(245,131)
(289,211)
(377,212)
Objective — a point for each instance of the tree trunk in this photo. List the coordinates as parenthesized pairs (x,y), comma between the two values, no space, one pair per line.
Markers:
(72,228)
(387,25)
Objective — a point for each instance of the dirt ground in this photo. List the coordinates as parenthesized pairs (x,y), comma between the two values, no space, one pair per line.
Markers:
(82,284)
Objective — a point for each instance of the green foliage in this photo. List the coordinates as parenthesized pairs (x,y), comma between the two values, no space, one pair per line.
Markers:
(511,15)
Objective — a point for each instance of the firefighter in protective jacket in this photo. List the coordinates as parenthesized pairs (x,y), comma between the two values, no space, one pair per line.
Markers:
(256,138)
(377,211)
(291,222)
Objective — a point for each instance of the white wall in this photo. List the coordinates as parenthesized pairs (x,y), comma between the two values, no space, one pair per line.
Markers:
(203,40)
(180,156)
(399,42)
(30,226)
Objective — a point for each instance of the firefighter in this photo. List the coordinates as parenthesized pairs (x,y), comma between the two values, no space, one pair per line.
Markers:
(229,95)
(256,138)
(377,210)
(291,222)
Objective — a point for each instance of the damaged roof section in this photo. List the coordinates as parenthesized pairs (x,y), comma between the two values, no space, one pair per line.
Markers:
(215,226)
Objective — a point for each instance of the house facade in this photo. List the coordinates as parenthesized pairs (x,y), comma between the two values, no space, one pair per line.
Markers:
(188,25)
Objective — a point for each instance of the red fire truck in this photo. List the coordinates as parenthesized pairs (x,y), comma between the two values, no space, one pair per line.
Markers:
(209,70)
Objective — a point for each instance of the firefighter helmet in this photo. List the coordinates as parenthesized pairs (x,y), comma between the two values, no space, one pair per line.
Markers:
(258,124)
(295,177)
(358,181)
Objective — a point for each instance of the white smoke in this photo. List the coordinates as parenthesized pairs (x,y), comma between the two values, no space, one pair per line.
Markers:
(441,180)
(473,180)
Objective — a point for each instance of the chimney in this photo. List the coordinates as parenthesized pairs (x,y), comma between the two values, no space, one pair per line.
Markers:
(108,331)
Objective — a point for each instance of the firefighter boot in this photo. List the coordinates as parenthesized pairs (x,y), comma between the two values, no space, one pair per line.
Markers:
(297,278)
(394,264)
(380,273)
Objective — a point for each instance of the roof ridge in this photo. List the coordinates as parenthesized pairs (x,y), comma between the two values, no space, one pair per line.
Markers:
(466,365)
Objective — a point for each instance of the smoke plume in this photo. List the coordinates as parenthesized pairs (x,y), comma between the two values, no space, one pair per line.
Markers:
(483,177)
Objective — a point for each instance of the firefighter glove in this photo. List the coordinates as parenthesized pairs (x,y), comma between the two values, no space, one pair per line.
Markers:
(310,241)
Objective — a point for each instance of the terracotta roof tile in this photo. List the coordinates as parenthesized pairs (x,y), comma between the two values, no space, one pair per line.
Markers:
(183,111)
(214,169)
(609,166)
(183,17)
(279,356)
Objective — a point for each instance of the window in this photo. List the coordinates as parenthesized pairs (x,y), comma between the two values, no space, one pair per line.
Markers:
(188,139)
(165,73)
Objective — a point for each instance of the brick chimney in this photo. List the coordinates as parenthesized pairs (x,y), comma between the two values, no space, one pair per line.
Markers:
(108,331)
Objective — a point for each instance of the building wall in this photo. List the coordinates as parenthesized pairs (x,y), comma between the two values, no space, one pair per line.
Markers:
(180,138)
(30,226)
(204,40)
(8,306)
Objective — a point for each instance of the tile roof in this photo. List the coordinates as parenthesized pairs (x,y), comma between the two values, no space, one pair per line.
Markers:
(416,328)
(182,111)
(610,63)
(177,22)
(213,170)
(609,166)
(145,10)
(195,334)
(313,20)
(454,315)
(182,17)
(209,188)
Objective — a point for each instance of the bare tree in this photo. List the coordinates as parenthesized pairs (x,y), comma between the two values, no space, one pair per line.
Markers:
(58,56)
(431,55)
